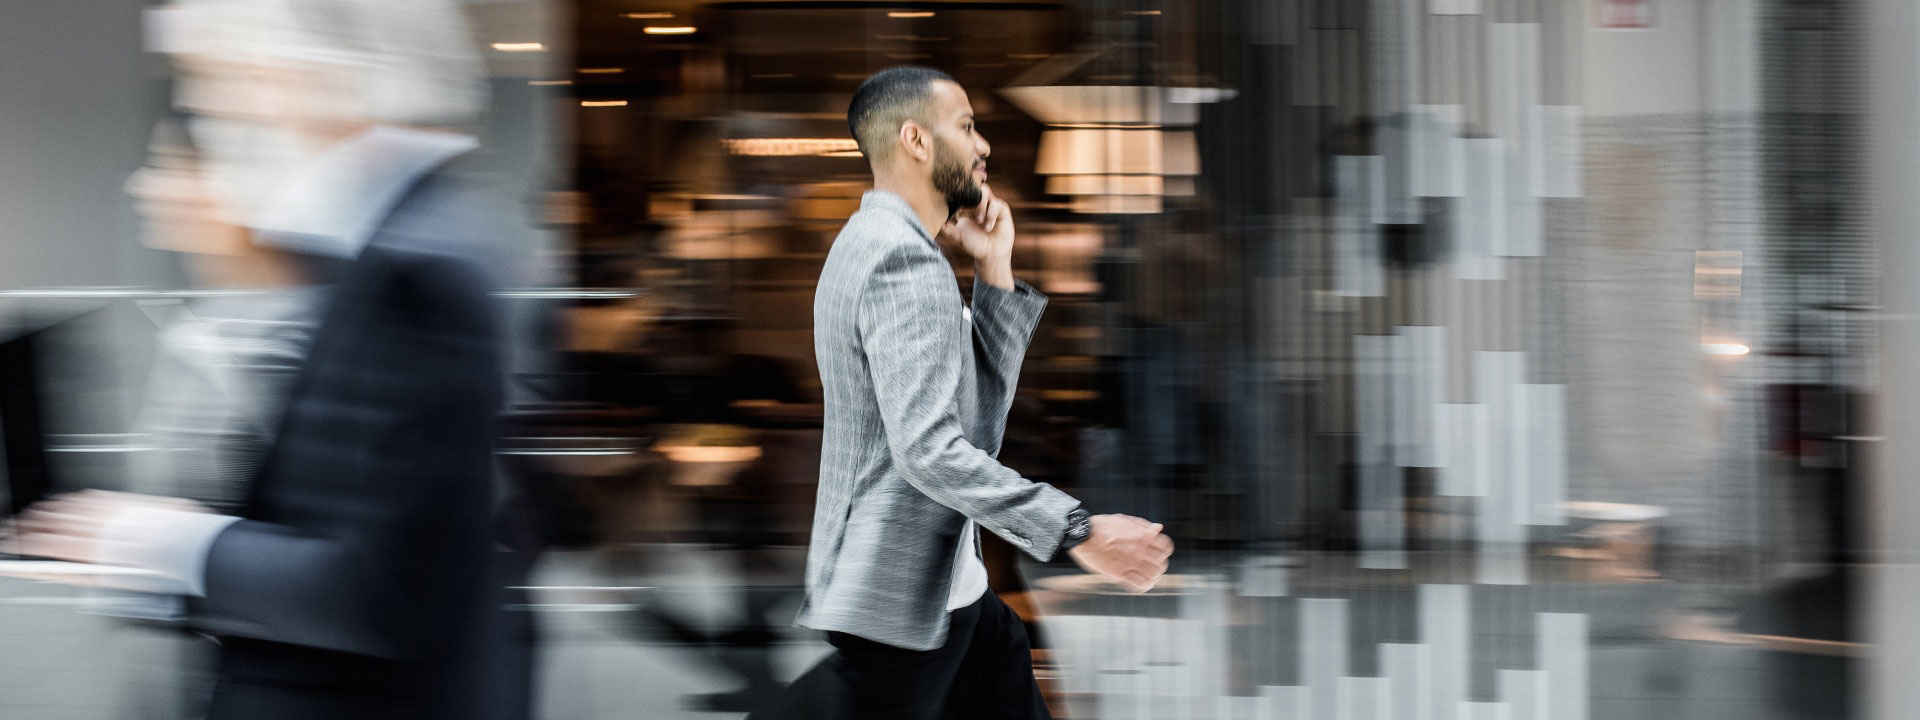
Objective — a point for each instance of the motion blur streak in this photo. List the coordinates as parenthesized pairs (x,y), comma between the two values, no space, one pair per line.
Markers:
(1520,359)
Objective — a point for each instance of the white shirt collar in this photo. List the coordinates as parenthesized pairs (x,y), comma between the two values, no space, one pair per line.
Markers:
(331,204)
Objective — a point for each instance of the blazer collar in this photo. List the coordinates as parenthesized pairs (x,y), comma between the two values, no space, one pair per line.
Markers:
(883,200)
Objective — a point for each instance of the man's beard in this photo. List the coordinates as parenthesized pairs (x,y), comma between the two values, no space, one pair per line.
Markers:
(954,179)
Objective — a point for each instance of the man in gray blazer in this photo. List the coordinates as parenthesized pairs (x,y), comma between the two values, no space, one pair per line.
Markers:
(917,386)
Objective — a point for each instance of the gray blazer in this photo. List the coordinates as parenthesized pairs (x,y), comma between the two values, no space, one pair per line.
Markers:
(916,403)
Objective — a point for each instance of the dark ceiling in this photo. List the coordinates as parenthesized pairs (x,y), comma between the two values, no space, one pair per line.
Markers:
(804,56)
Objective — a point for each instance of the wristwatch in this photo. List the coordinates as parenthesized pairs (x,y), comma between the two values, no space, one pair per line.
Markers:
(1079,526)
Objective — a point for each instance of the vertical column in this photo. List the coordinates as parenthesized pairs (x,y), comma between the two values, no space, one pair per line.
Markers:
(1892,568)
(1401,400)
(1464,444)
(1408,669)
(1502,539)
(1359,207)
(1513,87)
(1323,651)
(1525,691)
(1382,520)
(1480,225)
(1439,153)
(1395,44)
(1561,148)
(1425,353)
(1362,698)
(1286,702)
(1443,629)
(1237,707)
(1562,639)
(1453,7)
(1546,407)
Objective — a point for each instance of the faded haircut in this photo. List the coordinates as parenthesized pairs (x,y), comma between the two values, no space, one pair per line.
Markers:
(887,99)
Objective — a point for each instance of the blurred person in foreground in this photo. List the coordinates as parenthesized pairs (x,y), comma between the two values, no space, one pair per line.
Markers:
(917,387)
(353,576)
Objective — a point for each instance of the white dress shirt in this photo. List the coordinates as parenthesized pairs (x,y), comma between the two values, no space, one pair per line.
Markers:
(969,573)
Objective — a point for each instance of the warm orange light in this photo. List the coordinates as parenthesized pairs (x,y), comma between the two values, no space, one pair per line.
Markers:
(769,147)
(1730,349)
(670,30)
(519,46)
(603,103)
(922,14)
(708,454)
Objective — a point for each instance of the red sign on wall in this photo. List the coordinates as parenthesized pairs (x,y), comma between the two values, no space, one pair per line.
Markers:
(1623,14)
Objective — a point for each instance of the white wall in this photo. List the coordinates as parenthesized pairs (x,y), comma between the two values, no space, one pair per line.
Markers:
(78,97)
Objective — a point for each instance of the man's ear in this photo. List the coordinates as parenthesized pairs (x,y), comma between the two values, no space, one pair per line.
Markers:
(916,141)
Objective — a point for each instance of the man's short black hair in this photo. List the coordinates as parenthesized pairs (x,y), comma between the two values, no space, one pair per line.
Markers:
(885,100)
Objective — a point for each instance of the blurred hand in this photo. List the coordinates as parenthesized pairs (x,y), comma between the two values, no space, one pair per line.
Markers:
(1125,549)
(68,527)
(985,232)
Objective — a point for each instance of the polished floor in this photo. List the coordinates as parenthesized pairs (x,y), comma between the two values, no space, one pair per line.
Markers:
(1319,639)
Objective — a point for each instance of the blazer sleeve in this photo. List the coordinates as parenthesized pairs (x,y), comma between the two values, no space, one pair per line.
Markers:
(913,337)
(397,527)
(1003,323)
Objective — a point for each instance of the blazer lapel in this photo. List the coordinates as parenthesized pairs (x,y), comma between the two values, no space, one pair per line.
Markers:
(347,306)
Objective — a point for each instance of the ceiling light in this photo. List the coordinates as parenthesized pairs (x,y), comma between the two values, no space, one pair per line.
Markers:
(603,103)
(1117,204)
(1141,12)
(1117,152)
(549,82)
(519,47)
(670,30)
(918,14)
(1106,185)
(708,453)
(1200,95)
(1120,185)
(843,154)
(602,71)
(1104,126)
(647,15)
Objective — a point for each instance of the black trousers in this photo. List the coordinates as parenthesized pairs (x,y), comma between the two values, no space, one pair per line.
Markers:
(984,672)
